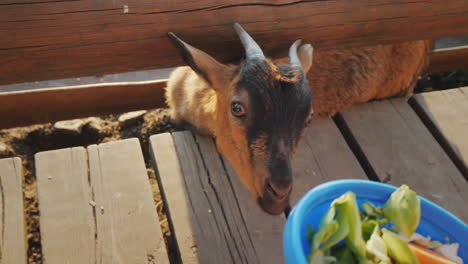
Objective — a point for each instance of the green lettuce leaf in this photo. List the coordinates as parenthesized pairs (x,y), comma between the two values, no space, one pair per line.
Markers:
(403,209)
(397,248)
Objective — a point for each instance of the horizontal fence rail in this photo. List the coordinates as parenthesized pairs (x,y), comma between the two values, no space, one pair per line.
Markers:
(31,103)
(45,40)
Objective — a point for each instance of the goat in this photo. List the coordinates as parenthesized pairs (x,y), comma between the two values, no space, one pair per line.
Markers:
(258,110)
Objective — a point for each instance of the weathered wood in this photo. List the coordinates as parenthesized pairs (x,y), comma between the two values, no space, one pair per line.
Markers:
(98,208)
(66,216)
(447,59)
(57,39)
(450,42)
(64,99)
(322,156)
(265,232)
(401,150)
(170,177)
(127,225)
(445,113)
(12,228)
(62,103)
(128,78)
(214,217)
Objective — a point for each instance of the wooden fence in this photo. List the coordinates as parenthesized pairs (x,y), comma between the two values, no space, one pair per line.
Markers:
(48,39)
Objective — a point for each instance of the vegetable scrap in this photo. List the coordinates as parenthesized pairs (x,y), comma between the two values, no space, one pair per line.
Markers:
(376,235)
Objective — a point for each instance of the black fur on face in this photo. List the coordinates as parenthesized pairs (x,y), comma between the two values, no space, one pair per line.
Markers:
(280,103)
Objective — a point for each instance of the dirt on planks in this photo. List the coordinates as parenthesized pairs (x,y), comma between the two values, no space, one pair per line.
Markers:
(24,142)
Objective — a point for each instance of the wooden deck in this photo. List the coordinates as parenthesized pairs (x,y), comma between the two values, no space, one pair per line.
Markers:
(96,204)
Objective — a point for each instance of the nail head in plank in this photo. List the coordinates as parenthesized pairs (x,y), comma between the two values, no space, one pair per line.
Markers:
(322,155)
(12,231)
(447,112)
(401,149)
(66,218)
(210,207)
(128,230)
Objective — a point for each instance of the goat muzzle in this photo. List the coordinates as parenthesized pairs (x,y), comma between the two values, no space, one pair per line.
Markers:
(275,197)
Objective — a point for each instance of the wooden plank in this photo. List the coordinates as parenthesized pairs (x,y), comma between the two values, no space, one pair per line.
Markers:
(322,155)
(104,208)
(21,108)
(89,96)
(127,225)
(214,217)
(12,231)
(170,176)
(401,150)
(445,113)
(265,232)
(41,39)
(451,42)
(66,217)
(446,59)
(128,78)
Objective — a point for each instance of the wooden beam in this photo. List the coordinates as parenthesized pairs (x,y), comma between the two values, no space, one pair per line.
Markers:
(43,40)
(447,59)
(53,104)
(31,103)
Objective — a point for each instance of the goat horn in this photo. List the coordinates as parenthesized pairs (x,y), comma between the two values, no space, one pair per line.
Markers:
(252,50)
(293,57)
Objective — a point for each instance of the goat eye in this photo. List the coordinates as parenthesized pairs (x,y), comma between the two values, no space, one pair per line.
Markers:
(238,109)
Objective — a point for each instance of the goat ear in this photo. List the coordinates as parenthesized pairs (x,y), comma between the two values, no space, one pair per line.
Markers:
(203,64)
(305,56)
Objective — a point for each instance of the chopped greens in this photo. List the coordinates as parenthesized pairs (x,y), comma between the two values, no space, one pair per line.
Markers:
(372,235)
(397,248)
(348,216)
(403,209)
(376,248)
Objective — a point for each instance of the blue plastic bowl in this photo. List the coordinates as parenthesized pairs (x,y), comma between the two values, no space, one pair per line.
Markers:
(435,221)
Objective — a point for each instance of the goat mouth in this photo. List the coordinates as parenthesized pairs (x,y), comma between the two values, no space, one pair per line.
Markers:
(274,207)
(273,203)
(275,194)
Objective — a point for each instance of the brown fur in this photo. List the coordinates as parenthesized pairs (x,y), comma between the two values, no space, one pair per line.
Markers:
(341,78)
(338,79)
(191,100)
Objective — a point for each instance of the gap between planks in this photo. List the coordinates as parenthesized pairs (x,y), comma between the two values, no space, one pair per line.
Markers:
(445,114)
(400,149)
(207,229)
(99,201)
(214,217)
